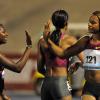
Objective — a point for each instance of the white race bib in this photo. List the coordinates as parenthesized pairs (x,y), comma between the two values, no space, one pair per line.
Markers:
(91,59)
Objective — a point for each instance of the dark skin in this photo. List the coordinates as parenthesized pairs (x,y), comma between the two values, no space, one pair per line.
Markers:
(10,64)
(92,76)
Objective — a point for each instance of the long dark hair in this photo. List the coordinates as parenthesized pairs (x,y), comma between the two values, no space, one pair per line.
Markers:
(59,20)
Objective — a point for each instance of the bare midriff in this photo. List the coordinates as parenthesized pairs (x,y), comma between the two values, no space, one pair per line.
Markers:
(56,71)
(92,76)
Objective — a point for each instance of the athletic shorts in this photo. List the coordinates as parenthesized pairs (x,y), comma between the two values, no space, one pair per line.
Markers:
(92,89)
(54,88)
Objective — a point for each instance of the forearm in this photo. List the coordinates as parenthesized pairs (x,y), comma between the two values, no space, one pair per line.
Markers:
(56,49)
(21,63)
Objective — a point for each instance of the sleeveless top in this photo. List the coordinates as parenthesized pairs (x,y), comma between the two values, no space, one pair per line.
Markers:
(92,57)
(55,61)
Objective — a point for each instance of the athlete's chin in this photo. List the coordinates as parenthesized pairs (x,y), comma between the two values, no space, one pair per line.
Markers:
(91,31)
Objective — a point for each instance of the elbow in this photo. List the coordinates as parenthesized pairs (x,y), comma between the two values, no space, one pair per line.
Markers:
(18,69)
(15,68)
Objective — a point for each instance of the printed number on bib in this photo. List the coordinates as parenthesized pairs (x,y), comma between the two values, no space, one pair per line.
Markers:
(91,59)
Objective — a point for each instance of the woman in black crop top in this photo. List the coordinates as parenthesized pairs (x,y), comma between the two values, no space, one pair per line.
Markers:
(90,43)
(9,64)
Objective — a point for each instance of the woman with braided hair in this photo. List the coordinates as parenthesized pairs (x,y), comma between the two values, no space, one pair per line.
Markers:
(90,45)
(54,68)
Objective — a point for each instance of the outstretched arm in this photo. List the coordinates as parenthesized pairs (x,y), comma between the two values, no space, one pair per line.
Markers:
(75,49)
(17,67)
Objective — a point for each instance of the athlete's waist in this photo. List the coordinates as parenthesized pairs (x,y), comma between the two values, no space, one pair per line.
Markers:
(92,76)
(56,71)
(93,82)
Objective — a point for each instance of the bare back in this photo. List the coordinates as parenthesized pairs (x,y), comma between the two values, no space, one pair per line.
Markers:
(53,67)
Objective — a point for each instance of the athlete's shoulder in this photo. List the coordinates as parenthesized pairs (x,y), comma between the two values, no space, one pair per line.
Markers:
(70,39)
(86,37)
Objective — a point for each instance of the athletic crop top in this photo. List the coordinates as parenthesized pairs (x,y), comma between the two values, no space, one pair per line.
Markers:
(92,57)
(55,61)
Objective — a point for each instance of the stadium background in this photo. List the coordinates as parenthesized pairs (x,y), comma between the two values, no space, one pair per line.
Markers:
(30,15)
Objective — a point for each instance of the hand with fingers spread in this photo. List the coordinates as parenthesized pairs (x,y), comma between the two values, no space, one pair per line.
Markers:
(47,27)
(28,40)
(47,30)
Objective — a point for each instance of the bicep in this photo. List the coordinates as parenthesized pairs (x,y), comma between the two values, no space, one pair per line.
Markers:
(7,63)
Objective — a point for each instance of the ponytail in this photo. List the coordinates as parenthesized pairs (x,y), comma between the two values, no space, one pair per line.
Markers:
(55,36)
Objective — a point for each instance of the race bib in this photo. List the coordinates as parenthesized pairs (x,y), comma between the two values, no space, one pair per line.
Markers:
(91,59)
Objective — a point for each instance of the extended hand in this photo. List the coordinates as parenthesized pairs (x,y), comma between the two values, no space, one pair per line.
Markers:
(47,30)
(28,39)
